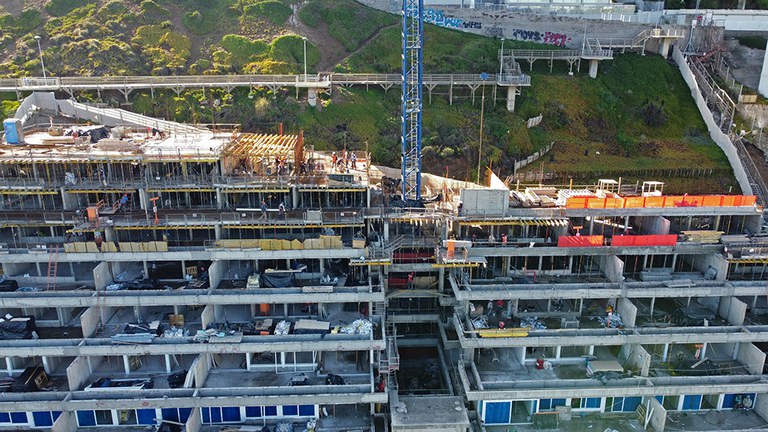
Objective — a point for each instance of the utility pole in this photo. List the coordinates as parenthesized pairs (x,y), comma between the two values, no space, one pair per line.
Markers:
(480,152)
(40,50)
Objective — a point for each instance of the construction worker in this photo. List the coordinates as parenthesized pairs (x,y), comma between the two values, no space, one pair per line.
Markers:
(353,159)
(124,201)
(263,209)
(281,211)
(334,160)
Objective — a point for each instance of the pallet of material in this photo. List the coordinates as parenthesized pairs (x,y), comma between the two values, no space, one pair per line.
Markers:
(313,244)
(317,289)
(91,247)
(297,245)
(703,236)
(503,333)
(734,238)
(108,247)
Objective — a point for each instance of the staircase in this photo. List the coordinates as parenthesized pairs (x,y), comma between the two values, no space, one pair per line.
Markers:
(53,267)
(389,359)
(385,251)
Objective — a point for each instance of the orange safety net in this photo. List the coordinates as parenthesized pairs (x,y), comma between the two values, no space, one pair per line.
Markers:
(580,241)
(645,240)
(663,201)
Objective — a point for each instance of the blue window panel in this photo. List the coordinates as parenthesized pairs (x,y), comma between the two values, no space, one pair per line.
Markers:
(172,414)
(729,400)
(558,402)
(660,399)
(19,417)
(145,416)
(691,402)
(618,405)
(206,413)
(592,403)
(307,410)
(253,412)
(631,403)
(86,418)
(5,417)
(290,410)
(184,414)
(545,404)
(230,414)
(42,418)
(215,414)
(55,414)
(270,411)
(497,412)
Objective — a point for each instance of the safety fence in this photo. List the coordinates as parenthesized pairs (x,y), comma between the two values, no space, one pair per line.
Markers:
(663,201)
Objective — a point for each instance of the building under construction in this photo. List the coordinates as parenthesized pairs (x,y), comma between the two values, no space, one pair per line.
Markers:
(168,275)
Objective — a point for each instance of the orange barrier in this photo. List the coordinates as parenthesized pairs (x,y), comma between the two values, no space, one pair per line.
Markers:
(645,240)
(662,201)
(580,241)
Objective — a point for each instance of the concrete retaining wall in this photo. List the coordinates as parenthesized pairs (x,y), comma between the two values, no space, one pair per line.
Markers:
(752,357)
(195,422)
(200,368)
(65,423)
(79,370)
(658,415)
(613,267)
(214,274)
(207,316)
(628,312)
(715,133)
(102,276)
(703,262)
(733,310)
(551,30)
(636,357)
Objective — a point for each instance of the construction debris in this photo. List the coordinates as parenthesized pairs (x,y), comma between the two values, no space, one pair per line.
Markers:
(360,326)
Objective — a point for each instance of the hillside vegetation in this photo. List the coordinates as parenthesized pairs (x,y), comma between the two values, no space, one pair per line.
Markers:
(637,117)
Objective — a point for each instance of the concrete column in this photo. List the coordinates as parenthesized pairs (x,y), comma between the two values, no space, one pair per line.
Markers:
(9,365)
(217,232)
(664,47)
(665,353)
(441,279)
(219,199)
(703,351)
(47,365)
(143,200)
(168,363)
(763,86)
(593,68)
(127,365)
(591,350)
(68,200)
(558,350)
(386,231)
(653,303)
(294,197)
(511,94)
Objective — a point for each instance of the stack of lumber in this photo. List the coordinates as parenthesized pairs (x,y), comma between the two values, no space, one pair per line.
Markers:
(703,236)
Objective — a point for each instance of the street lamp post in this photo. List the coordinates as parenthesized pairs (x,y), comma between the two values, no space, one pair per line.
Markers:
(501,59)
(40,50)
(305,57)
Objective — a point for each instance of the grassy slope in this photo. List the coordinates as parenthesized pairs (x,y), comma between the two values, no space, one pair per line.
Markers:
(258,36)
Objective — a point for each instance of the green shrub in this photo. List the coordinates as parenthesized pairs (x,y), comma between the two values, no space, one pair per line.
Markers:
(26,22)
(757,42)
(153,11)
(275,11)
(289,49)
(63,7)
(242,50)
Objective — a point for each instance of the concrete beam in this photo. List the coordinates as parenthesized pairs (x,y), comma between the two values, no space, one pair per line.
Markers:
(184,398)
(105,347)
(553,390)
(187,297)
(196,255)
(615,337)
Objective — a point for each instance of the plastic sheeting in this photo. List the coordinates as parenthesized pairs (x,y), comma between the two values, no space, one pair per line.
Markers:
(360,326)
(17,328)
(276,280)
(645,240)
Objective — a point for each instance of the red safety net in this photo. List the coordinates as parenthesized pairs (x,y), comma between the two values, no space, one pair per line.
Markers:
(580,241)
(645,240)
(663,201)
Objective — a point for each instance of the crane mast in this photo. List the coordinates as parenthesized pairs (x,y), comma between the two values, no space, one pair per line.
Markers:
(411,102)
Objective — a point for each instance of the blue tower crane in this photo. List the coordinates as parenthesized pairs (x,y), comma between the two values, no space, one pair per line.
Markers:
(412,55)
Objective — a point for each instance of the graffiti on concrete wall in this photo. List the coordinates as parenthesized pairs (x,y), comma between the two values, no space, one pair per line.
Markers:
(440,19)
(549,38)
